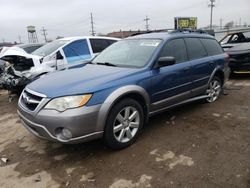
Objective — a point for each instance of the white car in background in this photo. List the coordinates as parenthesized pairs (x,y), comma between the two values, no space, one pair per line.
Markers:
(22,67)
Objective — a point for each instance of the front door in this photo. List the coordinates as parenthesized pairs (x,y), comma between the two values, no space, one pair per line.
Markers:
(171,84)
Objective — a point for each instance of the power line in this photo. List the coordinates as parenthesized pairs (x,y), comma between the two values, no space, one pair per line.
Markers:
(92,32)
(147,24)
(211,5)
(44,33)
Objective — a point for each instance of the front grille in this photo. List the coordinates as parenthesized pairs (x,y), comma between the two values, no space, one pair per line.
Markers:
(30,100)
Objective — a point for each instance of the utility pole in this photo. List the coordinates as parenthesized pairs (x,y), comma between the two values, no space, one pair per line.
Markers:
(147,24)
(92,32)
(240,22)
(20,39)
(211,5)
(44,33)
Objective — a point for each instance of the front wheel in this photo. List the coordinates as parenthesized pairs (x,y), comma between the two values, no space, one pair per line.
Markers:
(123,124)
(214,89)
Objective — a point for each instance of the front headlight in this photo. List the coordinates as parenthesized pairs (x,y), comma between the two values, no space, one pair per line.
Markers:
(63,103)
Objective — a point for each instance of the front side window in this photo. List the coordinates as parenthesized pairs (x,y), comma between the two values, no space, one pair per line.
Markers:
(77,51)
(195,48)
(129,53)
(175,48)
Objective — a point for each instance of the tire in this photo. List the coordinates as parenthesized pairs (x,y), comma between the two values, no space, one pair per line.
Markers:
(124,124)
(214,89)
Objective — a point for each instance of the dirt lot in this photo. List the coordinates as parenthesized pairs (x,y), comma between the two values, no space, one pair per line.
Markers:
(197,145)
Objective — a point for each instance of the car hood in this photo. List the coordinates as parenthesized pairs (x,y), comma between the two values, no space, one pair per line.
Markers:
(237,47)
(10,54)
(87,79)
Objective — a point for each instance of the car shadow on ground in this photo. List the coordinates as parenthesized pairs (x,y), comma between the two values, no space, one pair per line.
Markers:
(245,76)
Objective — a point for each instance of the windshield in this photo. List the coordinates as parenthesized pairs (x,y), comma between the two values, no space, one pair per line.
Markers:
(129,53)
(49,48)
(236,38)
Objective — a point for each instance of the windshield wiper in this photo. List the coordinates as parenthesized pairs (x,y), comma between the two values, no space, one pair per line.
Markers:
(106,63)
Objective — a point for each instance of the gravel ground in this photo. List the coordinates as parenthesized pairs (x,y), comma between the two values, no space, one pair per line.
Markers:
(196,145)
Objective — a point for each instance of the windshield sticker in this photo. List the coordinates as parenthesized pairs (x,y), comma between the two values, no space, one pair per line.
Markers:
(150,43)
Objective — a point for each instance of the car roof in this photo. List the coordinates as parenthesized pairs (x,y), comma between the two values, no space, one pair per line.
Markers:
(167,35)
(88,37)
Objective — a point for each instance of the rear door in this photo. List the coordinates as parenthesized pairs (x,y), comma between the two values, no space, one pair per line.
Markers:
(171,84)
(202,64)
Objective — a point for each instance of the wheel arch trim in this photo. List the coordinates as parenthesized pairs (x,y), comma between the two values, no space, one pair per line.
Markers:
(217,69)
(114,97)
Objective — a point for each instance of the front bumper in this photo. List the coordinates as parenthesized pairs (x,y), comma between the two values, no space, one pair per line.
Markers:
(47,124)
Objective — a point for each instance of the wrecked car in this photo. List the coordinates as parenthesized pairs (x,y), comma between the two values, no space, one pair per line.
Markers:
(237,45)
(22,67)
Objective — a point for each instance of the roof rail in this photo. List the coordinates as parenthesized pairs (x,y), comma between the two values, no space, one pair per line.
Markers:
(210,32)
(189,31)
(151,31)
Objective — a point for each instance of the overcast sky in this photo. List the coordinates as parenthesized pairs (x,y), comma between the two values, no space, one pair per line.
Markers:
(72,17)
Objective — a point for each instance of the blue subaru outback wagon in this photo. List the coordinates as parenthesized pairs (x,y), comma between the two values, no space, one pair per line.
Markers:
(113,96)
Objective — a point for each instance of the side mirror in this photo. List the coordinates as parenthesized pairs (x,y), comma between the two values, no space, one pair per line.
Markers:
(59,55)
(165,61)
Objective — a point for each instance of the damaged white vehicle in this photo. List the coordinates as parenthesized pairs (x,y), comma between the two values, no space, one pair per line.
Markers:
(22,68)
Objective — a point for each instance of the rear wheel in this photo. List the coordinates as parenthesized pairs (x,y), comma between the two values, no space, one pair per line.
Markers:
(124,123)
(214,89)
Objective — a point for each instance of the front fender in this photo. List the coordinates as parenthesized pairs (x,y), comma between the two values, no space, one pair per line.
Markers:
(114,97)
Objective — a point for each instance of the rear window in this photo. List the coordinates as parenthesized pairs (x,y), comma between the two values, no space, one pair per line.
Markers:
(195,48)
(212,46)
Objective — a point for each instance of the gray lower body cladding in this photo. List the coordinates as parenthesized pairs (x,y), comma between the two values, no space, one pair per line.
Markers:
(48,124)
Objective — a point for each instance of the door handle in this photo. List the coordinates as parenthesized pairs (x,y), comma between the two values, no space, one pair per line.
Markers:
(211,62)
(186,69)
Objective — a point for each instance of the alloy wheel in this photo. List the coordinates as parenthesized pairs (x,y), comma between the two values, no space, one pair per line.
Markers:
(213,90)
(126,124)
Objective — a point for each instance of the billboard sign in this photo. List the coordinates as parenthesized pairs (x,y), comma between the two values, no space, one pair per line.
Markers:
(185,22)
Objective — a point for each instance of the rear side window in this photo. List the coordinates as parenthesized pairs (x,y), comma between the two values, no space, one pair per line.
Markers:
(76,48)
(212,46)
(195,48)
(99,45)
(177,49)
